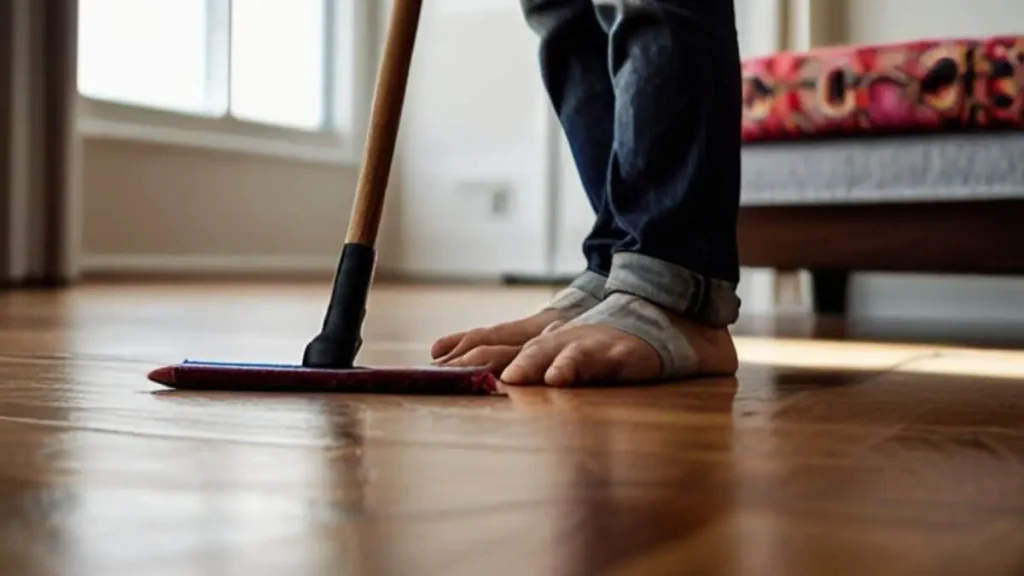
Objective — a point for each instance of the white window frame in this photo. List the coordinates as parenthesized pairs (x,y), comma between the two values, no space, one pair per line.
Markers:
(348,90)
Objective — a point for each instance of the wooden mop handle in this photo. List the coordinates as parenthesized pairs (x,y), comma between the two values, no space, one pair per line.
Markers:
(385,118)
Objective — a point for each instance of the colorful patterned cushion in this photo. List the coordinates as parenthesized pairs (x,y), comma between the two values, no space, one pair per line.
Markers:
(910,87)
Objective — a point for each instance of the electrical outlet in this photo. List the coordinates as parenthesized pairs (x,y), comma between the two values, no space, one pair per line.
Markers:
(500,202)
(494,199)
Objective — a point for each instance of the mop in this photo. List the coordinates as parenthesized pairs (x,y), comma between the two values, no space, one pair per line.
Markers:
(328,363)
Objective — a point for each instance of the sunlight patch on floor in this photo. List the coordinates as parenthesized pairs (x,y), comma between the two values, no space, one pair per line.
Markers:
(870,356)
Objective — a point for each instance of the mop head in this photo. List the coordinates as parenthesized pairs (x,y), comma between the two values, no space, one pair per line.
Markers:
(240,377)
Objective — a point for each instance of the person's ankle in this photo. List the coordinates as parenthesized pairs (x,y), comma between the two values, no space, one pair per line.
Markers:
(712,345)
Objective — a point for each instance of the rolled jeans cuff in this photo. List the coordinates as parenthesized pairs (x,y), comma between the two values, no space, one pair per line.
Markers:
(591,283)
(697,298)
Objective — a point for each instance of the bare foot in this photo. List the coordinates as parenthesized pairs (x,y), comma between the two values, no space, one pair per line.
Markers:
(590,348)
(496,346)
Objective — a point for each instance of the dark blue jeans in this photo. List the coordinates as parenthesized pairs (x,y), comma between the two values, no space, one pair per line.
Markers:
(648,94)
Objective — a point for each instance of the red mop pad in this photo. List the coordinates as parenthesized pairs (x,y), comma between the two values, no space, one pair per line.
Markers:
(240,377)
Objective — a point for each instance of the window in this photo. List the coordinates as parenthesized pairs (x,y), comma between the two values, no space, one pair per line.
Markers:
(277,61)
(283,67)
(148,52)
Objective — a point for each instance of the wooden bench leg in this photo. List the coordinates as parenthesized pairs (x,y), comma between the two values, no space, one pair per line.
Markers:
(830,291)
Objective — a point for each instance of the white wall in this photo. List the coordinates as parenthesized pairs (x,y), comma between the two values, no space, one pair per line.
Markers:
(896,20)
(472,165)
(172,209)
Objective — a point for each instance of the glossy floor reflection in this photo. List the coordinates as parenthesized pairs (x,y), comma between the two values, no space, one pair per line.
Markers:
(824,455)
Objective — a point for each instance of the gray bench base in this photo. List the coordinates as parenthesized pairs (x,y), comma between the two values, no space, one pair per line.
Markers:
(925,168)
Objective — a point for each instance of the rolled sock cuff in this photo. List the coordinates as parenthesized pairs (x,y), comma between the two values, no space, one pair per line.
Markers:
(703,300)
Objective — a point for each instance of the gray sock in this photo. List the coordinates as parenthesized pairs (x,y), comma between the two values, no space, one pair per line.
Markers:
(651,324)
(571,302)
(584,293)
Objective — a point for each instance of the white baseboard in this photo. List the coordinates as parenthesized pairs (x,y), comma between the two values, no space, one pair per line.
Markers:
(206,264)
(195,264)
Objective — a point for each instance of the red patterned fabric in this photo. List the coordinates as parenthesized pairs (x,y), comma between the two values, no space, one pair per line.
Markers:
(910,87)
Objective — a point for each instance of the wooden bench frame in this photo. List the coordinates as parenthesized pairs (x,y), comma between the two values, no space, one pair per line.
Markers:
(977,237)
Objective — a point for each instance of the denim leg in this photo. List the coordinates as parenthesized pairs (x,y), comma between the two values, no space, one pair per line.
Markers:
(574,68)
(674,179)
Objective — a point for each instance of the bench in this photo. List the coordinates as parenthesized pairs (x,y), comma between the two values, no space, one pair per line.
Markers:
(900,157)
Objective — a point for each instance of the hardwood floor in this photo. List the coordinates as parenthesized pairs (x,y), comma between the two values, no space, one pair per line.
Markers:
(825,456)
